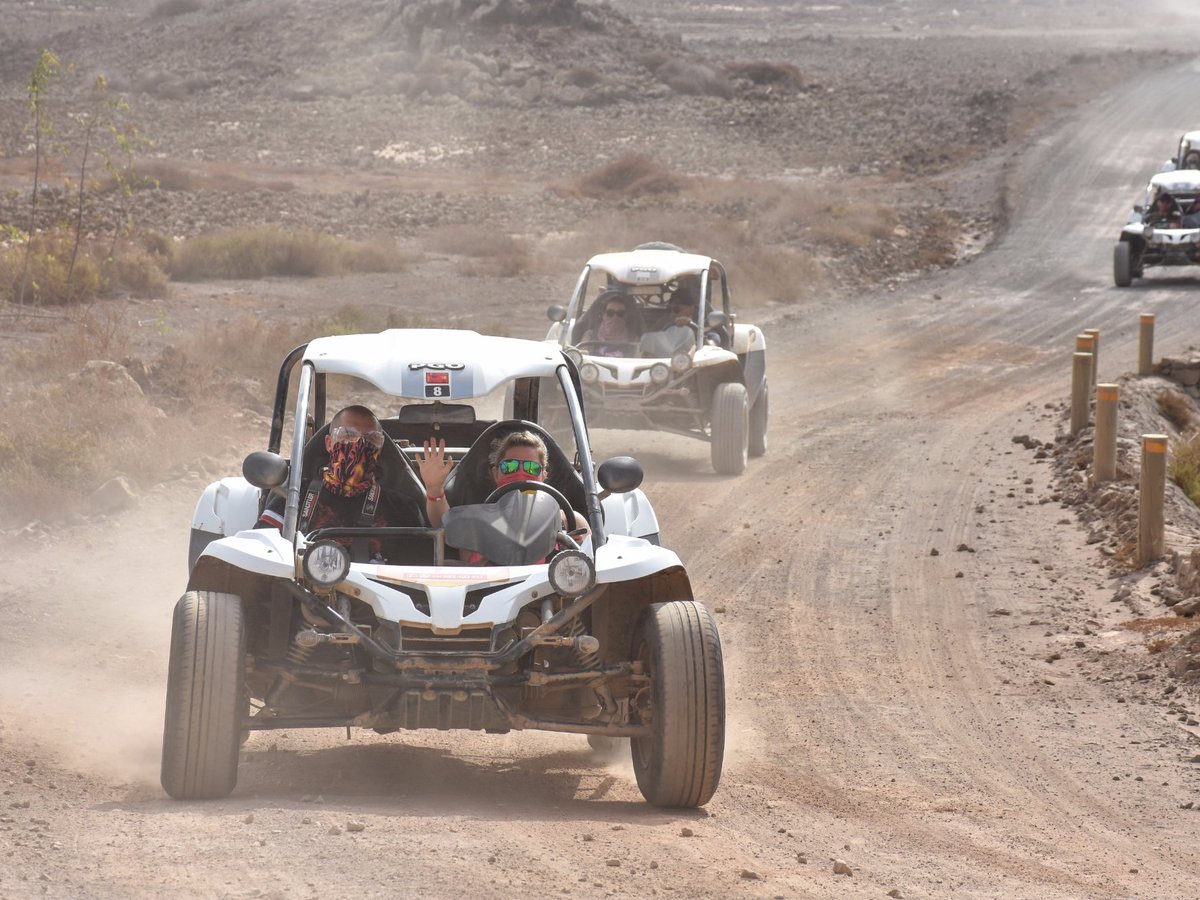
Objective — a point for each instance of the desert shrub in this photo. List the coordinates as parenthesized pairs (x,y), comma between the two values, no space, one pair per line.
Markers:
(628,175)
(51,280)
(1177,409)
(687,77)
(582,76)
(1184,467)
(767,73)
(170,8)
(849,223)
(162,175)
(248,253)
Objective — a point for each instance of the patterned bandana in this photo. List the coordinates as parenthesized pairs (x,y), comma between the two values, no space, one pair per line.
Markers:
(351,469)
(518,475)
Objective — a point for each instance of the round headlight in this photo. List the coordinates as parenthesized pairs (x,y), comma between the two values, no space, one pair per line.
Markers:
(589,373)
(575,356)
(326,563)
(680,362)
(572,573)
(659,373)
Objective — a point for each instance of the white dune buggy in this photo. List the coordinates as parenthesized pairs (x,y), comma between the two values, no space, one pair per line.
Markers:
(1152,237)
(282,629)
(711,386)
(1187,155)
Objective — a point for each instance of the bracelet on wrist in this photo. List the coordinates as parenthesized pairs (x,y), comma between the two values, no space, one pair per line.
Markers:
(434,499)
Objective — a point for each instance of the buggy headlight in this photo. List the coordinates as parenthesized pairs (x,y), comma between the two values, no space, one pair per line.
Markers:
(575,356)
(326,563)
(659,373)
(589,372)
(572,573)
(1148,232)
(680,362)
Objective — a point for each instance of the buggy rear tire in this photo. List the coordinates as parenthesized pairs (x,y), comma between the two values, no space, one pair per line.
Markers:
(758,423)
(206,696)
(730,428)
(1123,264)
(679,762)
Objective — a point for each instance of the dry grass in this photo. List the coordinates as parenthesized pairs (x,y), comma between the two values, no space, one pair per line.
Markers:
(269,251)
(631,175)
(490,253)
(168,176)
(1160,623)
(102,428)
(1184,466)
(1177,409)
(767,73)
(51,280)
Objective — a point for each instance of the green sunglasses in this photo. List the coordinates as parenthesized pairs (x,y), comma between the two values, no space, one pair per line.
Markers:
(531,466)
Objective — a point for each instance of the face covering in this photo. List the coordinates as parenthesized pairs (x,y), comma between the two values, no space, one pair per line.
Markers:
(351,468)
(518,475)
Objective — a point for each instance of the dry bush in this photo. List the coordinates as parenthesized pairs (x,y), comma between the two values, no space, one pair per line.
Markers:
(767,73)
(1177,409)
(1184,467)
(1158,645)
(774,275)
(853,224)
(582,76)
(627,176)
(50,279)
(936,240)
(693,78)
(270,251)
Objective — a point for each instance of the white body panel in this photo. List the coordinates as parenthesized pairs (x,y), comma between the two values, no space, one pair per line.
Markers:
(226,507)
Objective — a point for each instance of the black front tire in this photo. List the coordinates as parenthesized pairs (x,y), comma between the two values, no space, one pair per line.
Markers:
(730,428)
(679,763)
(1123,264)
(206,696)
(758,423)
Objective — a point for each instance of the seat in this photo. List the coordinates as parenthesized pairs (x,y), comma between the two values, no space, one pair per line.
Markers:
(471,480)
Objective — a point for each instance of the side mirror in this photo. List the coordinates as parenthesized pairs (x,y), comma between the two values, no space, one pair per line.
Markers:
(265,469)
(556,313)
(620,475)
(1138,208)
(716,319)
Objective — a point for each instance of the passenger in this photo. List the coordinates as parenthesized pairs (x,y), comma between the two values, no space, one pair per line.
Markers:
(346,493)
(615,327)
(1191,160)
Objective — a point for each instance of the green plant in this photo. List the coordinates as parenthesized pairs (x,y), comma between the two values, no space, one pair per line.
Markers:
(44,70)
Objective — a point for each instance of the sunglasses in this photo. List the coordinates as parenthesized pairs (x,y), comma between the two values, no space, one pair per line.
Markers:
(615,311)
(529,466)
(342,434)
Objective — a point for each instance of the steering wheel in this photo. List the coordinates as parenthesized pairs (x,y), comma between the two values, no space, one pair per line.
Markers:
(554,492)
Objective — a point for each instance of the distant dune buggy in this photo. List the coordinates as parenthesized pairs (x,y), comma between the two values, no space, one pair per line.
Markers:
(282,629)
(1163,229)
(710,384)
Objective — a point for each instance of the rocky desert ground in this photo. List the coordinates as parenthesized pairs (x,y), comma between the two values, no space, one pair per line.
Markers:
(946,678)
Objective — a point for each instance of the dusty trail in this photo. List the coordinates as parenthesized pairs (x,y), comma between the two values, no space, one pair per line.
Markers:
(883,711)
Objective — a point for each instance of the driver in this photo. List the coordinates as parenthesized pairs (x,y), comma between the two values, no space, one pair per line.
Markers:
(679,334)
(518,456)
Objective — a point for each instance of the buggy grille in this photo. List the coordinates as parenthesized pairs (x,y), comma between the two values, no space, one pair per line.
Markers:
(423,640)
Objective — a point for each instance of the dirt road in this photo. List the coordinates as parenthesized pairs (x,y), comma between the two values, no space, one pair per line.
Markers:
(944,724)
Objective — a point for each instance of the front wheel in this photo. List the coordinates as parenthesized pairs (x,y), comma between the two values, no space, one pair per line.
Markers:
(1123,264)
(206,697)
(679,762)
(730,426)
(758,423)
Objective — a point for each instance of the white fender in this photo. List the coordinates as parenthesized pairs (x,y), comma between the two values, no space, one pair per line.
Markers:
(629,514)
(262,551)
(226,507)
(747,338)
